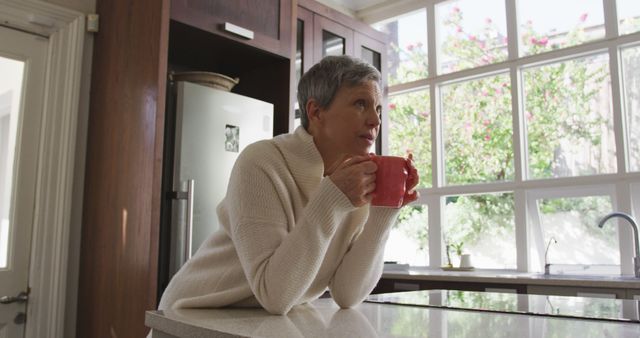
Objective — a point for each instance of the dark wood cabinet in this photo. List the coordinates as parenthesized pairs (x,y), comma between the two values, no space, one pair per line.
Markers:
(264,24)
(323,31)
(335,33)
(370,50)
(331,38)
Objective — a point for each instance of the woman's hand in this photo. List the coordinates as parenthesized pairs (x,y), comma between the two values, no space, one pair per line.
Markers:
(412,181)
(356,178)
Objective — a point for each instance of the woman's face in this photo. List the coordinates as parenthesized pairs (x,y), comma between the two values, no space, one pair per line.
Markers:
(351,123)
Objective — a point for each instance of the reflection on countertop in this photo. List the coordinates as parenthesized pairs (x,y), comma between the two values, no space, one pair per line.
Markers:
(323,318)
(512,277)
(622,310)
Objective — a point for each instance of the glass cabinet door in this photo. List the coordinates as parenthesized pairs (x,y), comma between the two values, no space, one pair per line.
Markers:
(370,50)
(304,54)
(333,38)
(373,52)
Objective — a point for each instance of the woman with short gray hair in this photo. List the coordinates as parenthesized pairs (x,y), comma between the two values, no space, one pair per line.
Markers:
(297,218)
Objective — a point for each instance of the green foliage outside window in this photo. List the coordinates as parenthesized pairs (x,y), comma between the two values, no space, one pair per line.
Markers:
(478,127)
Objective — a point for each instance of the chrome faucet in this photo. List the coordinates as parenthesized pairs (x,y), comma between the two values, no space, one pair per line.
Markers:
(634,227)
(547,265)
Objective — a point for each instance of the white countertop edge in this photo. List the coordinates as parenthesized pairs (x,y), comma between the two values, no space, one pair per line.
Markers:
(157,321)
(510,277)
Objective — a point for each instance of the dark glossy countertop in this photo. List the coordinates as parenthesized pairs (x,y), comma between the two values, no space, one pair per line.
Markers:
(622,310)
(323,318)
(511,277)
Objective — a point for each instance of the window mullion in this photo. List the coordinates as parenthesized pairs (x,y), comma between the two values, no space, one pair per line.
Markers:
(610,18)
(523,261)
(436,219)
(618,115)
(512,29)
(623,202)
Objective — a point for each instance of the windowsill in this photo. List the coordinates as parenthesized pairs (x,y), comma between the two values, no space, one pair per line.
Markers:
(508,277)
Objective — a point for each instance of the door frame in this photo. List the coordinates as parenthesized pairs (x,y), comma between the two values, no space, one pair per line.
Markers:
(49,263)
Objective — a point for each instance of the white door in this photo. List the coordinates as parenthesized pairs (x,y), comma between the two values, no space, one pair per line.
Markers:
(22,76)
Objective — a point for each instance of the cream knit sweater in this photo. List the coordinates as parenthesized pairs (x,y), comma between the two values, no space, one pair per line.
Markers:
(287,234)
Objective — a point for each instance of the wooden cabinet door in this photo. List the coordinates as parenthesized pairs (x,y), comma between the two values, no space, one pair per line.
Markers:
(375,53)
(265,24)
(370,50)
(331,38)
(304,42)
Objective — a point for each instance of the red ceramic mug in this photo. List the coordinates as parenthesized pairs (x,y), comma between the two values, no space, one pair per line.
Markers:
(391,181)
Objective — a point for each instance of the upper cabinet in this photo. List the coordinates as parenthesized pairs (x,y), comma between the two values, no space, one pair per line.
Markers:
(323,31)
(264,24)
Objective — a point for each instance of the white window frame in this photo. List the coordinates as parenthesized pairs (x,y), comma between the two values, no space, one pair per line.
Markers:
(618,185)
(535,226)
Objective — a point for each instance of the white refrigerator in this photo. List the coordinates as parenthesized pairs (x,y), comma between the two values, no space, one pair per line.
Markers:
(212,127)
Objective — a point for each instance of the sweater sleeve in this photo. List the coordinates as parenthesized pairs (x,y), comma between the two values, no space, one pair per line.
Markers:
(361,267)
(280,260)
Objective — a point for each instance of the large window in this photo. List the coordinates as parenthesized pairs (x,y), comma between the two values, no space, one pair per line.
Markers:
(524,121)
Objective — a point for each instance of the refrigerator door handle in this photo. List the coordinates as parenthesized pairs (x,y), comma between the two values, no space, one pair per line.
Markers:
(189,228)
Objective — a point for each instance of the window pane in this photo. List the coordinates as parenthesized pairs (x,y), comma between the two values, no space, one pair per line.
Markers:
(477,130)
(10,93)
(485,228)
(407,50)
(572,222)
(410,130)
(409,242)
(568,118)
(631,78)
(629,16)
(570,23)
(553,24)
(470,33)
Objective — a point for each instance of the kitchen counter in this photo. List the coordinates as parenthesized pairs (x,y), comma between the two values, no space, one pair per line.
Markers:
(512,277)
(323,318)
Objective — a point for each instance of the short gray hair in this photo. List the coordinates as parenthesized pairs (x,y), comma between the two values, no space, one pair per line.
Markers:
(323,80)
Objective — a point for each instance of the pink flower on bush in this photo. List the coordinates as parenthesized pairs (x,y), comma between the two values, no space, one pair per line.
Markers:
(534,41)
(410,47)
(472,37)
(467,126)
(392,106)
(456,9)
(488,21)
(458,29)
(487,137)
(528,115)
(486,123)
(424,113)
(583,17)
(543,41)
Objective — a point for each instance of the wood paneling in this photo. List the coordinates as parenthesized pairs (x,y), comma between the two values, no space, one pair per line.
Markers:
(269,20)
(263,76)
(121,209)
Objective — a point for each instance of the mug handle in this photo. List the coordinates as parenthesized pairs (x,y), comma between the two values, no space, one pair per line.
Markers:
(412,177)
